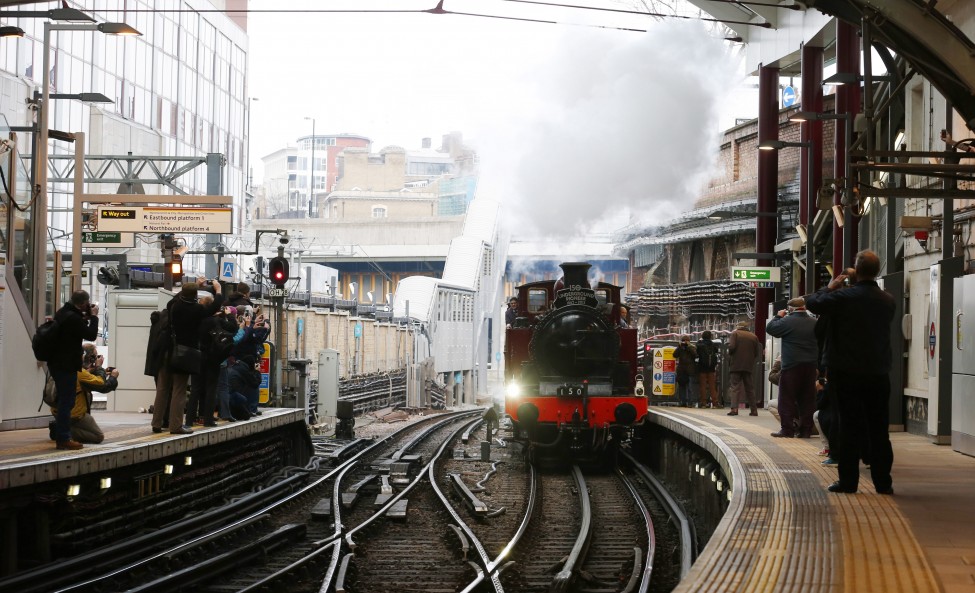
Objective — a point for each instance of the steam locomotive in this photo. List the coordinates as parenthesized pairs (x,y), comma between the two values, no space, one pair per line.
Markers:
(571,380)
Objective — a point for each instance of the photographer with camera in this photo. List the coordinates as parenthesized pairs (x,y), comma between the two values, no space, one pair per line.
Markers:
(256,330)
(858,358)
(77,321)
(185,317)
(797,381)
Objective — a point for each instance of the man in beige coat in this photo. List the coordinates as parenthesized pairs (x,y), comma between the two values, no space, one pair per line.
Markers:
(745,351)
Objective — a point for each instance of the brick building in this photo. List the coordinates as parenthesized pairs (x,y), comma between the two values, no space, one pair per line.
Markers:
(681,270)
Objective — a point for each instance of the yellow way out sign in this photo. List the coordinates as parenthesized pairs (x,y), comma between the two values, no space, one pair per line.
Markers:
(151,219)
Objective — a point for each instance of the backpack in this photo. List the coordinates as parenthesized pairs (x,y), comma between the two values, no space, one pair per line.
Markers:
(49,395)
(707,356)
(45,340)
(221,345)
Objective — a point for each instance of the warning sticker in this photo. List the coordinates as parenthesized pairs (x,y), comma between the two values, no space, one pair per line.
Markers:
(665,367)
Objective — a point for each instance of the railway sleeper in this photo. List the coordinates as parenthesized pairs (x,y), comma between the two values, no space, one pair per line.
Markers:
(473,503)
(323,509)
(351,495)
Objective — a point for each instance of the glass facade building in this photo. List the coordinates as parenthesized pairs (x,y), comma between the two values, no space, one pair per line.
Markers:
(179,89)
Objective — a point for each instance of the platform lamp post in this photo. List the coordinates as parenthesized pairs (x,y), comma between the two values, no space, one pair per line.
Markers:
(847,191)
(811,197)
(40,166)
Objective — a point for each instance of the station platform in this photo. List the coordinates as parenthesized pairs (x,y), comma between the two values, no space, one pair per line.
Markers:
(783,531)
(29,457)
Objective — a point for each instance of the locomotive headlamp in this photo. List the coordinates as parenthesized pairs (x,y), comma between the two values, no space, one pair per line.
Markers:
(513,390)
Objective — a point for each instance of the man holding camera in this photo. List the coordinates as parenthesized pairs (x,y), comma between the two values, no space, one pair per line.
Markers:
(77,321)
(858,359)
(797,381)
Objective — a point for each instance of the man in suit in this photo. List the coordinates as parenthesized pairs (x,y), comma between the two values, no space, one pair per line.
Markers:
(745,350)
(858,358)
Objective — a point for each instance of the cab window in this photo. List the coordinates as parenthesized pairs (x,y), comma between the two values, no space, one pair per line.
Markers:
(537,300)
(602,296)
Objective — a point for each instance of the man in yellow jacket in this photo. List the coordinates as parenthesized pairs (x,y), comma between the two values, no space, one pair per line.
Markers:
(84,429)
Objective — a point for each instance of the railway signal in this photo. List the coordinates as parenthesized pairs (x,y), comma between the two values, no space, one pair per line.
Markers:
(278,271)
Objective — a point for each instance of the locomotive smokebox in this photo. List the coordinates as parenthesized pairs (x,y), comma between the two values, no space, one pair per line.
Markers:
(575,274)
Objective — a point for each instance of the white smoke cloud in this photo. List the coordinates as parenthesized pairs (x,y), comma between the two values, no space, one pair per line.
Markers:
(608,124)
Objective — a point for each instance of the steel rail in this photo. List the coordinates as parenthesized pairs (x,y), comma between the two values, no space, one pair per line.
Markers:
(644,580)
(396,498)
(673,508)
(421,475)
(54,575)
(336,549)
(336,507)
(492,567)
(565,576)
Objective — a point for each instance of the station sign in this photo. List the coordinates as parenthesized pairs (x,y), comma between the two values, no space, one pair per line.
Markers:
(152,219)
(756,274)
(107,239)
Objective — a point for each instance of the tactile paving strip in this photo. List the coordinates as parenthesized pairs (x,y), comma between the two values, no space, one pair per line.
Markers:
(784,532)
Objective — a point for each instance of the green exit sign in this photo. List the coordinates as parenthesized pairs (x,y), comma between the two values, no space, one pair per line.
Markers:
(756,274)
(107,239)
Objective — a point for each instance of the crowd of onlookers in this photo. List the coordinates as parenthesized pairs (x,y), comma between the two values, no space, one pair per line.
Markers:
(202,341)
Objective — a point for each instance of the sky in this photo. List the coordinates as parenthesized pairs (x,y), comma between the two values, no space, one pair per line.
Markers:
(567,119)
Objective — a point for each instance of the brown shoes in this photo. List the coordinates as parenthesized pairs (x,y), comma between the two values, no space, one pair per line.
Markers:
(753,413)
(733,413)
(70,445)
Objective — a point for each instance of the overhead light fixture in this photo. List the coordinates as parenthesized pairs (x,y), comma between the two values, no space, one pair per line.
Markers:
(74,489)
(11,32)
(59,135)
(106,483)
(188,460)
(168,469)
(841,78)
(117,29)
(69,15)
(83,97)
(780,144)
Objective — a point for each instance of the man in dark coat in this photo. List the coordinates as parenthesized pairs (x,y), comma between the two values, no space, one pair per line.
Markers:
(511,313)
(77,321)
(858,357)
(185,317)
(800,368)
(744,350)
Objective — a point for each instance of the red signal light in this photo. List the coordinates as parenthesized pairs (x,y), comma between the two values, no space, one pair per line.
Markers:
(278,268)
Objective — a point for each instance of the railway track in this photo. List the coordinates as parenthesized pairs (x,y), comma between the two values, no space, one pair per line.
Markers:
(419,511)
(224,547)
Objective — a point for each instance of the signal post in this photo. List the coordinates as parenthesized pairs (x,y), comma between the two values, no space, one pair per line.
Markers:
(279,274)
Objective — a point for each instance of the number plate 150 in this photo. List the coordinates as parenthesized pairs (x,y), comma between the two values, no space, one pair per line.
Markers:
(571,391)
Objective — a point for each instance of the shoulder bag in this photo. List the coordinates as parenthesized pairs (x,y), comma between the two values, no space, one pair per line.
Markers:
(183,360)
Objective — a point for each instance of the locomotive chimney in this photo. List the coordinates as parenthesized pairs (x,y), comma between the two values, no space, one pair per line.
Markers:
(575,274)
